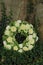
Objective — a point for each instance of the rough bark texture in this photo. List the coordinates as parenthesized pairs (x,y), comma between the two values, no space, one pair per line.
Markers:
(18,8)
(39,13)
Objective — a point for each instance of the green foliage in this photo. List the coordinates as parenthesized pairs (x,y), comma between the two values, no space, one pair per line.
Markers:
(4,17)
(32,57)
(3,21)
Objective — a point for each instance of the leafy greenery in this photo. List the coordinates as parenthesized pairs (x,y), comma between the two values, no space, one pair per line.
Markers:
(27,58)
(3,21)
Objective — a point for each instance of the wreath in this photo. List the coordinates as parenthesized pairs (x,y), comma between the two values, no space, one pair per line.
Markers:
(19,36)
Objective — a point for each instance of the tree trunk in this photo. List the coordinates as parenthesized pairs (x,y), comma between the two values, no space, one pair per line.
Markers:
(18,8)
(39,14)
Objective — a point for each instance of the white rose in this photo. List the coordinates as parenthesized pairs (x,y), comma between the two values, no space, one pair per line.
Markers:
(7,46)
(31,25)
(36,38)
(17,24)
(31,41)
(4,42)
(15,48)
(7,32)
(13,29)
(20,45)
(19,21)
(22,27)
(8,27)
(20,50)
(25,49)
(27,26)
(31,31)
(34,35)
(29,37)
(10,39)
(30,47)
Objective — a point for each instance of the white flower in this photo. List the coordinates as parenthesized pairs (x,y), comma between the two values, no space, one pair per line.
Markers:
(7,32)
(22,27)
(20,45)
(27,26)
(25,48)
(29,37)
(31,25)
(17,24)
(10,39)
(4,42)
(31,31)
(37,39)
(34,35)
(30,47)
(7,46)
(31,41)
(20,50)
(8,27)
(13,29)
(15,48)
(19,21)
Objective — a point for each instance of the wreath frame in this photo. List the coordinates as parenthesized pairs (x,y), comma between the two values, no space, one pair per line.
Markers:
(22,28)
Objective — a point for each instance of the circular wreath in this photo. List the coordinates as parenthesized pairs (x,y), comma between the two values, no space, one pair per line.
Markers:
(19,36)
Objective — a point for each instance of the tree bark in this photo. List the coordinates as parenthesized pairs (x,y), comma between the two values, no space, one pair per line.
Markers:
(39,14)
(18,8)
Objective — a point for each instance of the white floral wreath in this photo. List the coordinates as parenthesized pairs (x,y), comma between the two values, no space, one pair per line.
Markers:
(19,36)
